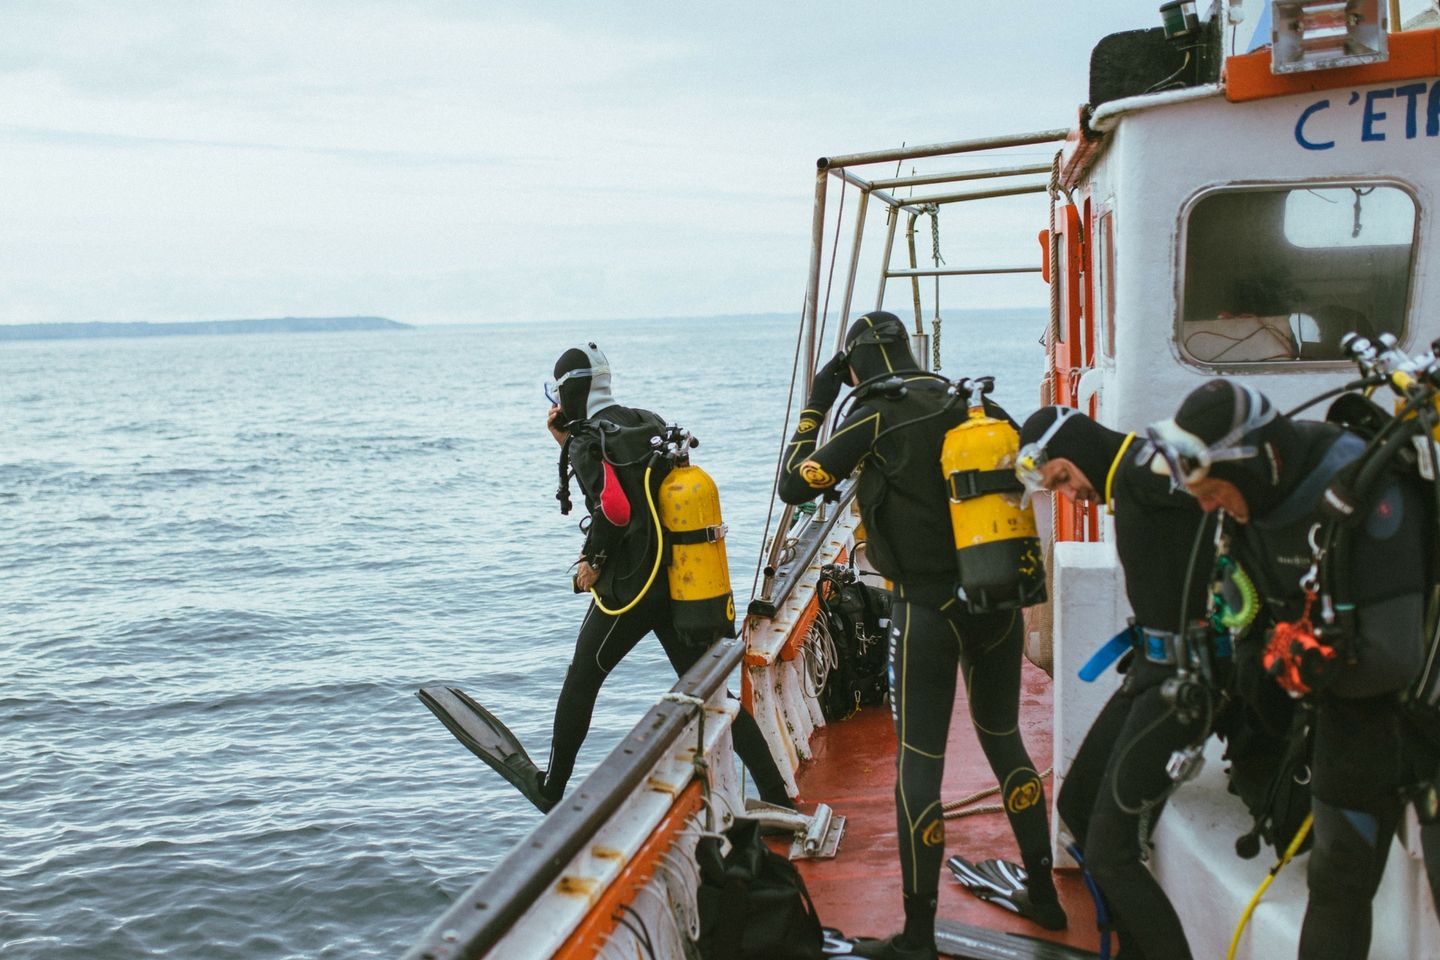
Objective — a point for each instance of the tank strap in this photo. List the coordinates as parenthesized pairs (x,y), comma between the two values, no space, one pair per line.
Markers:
(711,534)
(969,484)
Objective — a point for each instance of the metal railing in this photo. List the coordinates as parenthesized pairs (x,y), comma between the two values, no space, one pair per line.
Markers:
(479,918)
(881,189)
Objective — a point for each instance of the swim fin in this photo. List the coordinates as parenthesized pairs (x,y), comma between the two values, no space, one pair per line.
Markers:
(488,739)
(1003,884)
(960,941)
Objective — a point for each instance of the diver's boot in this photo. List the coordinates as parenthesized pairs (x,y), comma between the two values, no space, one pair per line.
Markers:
(545,796)
(915,942)
(1038,902)
(895,948)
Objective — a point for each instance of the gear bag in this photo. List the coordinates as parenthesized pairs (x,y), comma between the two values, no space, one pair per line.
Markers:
(856,618)
(752,902)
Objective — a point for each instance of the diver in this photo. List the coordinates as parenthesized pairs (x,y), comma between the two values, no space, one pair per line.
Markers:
(894,434)
(618,562)
(1230,448)
(1116,785)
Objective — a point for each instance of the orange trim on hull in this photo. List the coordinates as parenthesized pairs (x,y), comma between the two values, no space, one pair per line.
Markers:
(796,638)
(1413,54)
(601,921)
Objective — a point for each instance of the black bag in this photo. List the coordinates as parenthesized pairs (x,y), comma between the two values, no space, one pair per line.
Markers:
(753,903)
(854,615)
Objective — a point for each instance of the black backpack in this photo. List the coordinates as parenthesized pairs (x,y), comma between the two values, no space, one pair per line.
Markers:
(753,903)
(854,613)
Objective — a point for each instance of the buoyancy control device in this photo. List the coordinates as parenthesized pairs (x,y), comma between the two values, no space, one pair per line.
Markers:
(1302,655)
(996,546)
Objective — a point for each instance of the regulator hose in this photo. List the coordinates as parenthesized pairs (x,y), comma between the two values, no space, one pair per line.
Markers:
(1249,599)
(1269,879)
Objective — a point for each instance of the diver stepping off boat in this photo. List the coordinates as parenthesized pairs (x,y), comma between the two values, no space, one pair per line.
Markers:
(895,433)
(653,561)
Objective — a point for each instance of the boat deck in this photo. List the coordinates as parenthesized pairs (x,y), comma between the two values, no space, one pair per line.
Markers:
(854,771)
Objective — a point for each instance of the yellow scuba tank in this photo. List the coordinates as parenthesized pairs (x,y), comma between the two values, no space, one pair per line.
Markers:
(996,545)
(689,507)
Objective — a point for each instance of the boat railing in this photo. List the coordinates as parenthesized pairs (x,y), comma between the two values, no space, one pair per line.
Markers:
(485,913)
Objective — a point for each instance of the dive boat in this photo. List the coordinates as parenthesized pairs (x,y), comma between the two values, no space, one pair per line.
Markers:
(1218,208)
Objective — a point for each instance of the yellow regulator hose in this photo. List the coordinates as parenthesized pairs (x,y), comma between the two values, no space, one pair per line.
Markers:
(659,552)
(1265,884)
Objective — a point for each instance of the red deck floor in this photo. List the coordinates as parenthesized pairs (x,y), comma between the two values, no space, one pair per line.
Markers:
(854,771)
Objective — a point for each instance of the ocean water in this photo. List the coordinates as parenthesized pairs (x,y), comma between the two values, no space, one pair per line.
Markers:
(227,564)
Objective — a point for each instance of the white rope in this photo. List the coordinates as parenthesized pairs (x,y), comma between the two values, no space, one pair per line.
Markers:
(691,699)
(820,656)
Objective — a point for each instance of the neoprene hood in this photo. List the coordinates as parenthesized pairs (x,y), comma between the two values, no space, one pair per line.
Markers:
(583,374)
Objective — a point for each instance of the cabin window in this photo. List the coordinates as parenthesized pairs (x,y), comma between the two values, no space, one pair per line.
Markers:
(1281,275)
(1105,281)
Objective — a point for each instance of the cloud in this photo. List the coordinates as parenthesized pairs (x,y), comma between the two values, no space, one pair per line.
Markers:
(428,160)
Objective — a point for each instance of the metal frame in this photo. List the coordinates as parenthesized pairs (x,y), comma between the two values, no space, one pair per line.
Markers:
(1408,340)
(880,189)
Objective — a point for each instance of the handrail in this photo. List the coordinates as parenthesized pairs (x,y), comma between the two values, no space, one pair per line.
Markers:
(779,582)
(957,271)
(942,149)
(479,918)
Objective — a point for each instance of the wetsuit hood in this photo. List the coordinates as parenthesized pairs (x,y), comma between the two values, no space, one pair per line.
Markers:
(582,375)
(1079,439)
(877,344)
(1248,442)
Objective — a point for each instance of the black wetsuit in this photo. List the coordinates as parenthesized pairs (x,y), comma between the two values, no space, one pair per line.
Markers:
(1364,756)
(1119,771)
(625,557)
(904,505)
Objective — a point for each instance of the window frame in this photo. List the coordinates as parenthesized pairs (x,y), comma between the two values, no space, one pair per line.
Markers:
(1408,333)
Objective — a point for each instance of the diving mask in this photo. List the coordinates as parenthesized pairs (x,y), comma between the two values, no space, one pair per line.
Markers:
(552,387)
(1186,458)
(1031,460)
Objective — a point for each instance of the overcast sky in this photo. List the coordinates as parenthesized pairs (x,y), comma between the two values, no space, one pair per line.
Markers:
(441,162)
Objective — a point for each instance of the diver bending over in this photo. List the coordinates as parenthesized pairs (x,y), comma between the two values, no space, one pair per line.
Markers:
(1119,772)
(617,560)
(1233,450)
(904,505)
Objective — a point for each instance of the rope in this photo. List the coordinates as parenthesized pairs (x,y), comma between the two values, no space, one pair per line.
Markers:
(953,809)
(935,256)
(701,765)
(780,458)
(820,656)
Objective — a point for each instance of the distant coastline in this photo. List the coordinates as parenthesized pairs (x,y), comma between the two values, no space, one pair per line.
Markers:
(90,331)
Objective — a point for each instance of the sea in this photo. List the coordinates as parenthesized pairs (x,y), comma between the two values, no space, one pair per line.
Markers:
(228,563)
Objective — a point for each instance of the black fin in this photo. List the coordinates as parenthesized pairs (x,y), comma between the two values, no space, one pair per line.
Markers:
(486,737)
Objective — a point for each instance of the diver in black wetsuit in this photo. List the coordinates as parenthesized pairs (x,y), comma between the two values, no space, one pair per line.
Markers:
(617,560)
(1119,771)
(1232,450)
(905,509)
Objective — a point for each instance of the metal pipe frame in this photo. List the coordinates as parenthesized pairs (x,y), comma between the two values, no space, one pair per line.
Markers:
(958,271)
(926,179)
(942,149)
(1016,191)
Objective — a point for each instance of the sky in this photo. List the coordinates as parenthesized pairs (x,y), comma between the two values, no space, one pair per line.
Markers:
(437,161)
